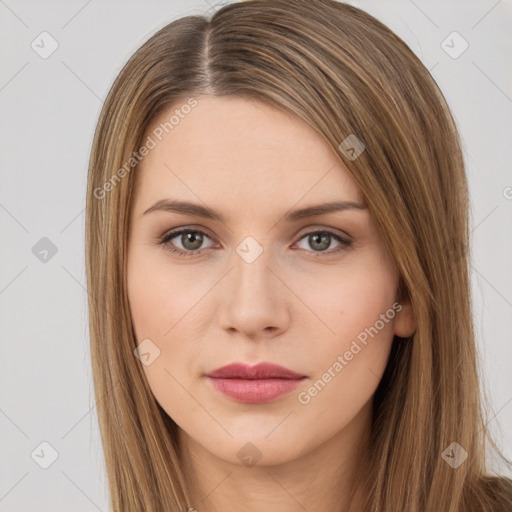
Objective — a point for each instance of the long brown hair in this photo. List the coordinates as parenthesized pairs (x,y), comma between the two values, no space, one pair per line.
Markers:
(344,73)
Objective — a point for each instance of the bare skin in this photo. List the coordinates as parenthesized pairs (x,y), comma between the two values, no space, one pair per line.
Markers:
(301,303)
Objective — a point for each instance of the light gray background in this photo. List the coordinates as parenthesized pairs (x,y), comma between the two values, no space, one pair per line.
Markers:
(49,108)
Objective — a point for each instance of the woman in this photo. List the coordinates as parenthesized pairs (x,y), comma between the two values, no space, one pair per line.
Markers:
(277,263)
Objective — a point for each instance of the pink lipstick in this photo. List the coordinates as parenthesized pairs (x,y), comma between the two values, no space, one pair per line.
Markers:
(257,384)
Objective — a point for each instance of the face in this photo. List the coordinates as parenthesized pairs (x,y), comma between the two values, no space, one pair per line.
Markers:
(257,281)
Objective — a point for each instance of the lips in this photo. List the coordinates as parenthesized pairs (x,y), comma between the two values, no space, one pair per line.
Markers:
(258,384)
(259,371)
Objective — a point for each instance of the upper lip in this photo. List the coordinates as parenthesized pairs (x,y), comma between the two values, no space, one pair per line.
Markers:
(259,371)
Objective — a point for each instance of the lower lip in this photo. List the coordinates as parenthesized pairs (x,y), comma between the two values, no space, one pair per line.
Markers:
(256,391)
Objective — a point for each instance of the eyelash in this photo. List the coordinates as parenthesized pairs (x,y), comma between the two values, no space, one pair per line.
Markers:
(165,239)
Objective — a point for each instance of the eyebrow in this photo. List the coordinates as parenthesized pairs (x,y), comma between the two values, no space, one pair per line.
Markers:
(185,207)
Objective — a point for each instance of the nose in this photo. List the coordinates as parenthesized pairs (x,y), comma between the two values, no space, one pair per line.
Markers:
(257,304)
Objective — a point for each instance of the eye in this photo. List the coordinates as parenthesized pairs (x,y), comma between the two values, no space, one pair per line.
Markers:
(321,240)
(190,240)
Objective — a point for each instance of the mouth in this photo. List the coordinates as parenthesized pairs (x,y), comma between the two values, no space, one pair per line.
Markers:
(258,384)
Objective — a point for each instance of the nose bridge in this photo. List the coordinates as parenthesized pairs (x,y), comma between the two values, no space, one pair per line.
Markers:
(253,302)
(252,259)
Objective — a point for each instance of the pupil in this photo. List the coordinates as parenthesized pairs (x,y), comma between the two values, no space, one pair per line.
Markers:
(194,237)
(324,244)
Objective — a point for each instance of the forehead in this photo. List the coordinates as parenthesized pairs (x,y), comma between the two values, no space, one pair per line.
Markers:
(241,152)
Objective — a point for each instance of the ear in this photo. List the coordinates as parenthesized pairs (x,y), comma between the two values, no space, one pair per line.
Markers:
(405,320)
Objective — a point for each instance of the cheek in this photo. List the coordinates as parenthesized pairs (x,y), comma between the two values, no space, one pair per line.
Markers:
(169,306)
(350,357)
(352,300)
(163,306)
(159,298)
